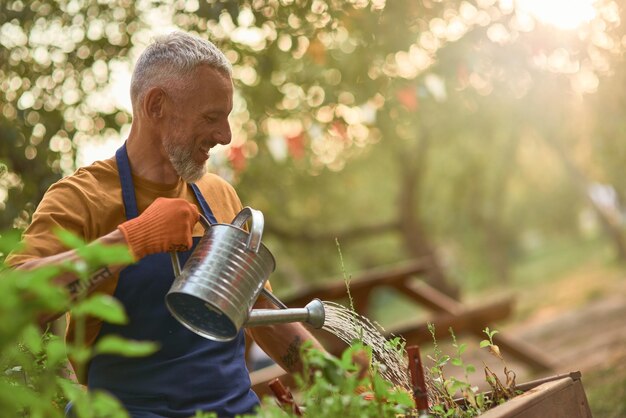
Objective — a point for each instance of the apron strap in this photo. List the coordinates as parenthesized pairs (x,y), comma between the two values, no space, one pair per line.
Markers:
(128,189)
(203,204)
(126,180)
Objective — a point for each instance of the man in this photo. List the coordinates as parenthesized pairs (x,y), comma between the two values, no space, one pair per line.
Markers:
(149,197)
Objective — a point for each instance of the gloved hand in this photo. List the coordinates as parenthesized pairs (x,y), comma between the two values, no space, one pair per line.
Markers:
(166,225)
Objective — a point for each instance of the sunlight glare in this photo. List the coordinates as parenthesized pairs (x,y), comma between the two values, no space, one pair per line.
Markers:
(562,14)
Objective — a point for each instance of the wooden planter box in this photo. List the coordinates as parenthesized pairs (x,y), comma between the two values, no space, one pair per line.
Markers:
(561,396)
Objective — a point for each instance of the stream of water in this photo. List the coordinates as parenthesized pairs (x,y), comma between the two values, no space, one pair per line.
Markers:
(348,325)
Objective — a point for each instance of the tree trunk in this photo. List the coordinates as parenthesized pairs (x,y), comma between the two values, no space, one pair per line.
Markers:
(496,232)
(412,166)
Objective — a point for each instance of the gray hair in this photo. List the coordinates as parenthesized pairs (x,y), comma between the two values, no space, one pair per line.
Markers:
(169,58)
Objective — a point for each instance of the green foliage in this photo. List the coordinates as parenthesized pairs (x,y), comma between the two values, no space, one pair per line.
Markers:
(489,341)
(445,390)
(34,363)
(606,391)
(104,307)
(329,386)
(388,125)
(397,343)
(54,56)
(200,414)
(112,344)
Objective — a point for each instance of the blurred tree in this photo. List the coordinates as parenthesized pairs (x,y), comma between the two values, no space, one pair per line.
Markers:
(404,81)
(437,127)
(55,59)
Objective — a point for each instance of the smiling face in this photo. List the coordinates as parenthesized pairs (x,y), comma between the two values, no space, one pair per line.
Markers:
(198,121)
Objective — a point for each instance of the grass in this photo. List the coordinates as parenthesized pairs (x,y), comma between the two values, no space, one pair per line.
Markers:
(606,391)
(553,260)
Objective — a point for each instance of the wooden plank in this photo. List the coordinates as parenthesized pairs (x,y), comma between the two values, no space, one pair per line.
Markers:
(437,301)
(261,378)
(336,289)
(465,321)
(526,386)
(556,399)
(429,297)
(581,399)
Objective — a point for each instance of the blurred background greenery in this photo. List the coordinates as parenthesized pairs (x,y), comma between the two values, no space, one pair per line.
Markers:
(485,136)
(471,133)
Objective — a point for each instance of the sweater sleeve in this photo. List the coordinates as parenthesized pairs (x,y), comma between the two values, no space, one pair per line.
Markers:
(62,207)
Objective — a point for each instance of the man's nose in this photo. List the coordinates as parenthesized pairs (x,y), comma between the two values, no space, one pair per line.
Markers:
(223,135)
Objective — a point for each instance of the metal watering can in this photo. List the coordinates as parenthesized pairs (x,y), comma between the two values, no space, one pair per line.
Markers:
(213,295)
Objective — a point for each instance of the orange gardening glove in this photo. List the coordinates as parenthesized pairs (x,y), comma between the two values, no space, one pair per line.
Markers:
(166,225)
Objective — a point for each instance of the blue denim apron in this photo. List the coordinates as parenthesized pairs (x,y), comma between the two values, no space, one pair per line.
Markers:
(188,373)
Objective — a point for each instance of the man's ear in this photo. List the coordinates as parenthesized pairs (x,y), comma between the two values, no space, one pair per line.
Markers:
(154,103)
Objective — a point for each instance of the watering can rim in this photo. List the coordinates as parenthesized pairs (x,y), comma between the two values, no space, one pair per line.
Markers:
(255,232)
(261,245)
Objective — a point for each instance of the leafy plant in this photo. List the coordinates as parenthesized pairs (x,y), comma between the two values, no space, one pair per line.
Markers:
(501,392)
(330,386)
(471,403)
(36,382)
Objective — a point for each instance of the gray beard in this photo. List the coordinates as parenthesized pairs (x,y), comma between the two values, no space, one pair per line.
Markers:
(182,160)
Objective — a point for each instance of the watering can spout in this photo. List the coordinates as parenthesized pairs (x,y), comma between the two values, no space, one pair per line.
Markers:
(313,314)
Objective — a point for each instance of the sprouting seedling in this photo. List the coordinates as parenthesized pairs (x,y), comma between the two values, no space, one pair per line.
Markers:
(443,388)
(397,344)
(438,358)
(346,279)
(475,402)
(493,348)
(501,391)
(458,359)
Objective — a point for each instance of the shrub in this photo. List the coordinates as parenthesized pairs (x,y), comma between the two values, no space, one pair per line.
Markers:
(35,380)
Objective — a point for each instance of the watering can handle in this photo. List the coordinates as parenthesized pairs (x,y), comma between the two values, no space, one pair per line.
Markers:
(174,255)
(272,298)
(256,226)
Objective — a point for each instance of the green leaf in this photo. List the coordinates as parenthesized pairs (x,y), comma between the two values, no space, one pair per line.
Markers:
(402,398)
(15,397)
(459,384)
(71,390)
(10,241)
(462,348)
(470,368)
(55,352)
(105,405)
(113,344)
(485,343)
(80,353)
(32,339)
(69,239)
(443,360)
(34,289)
(457,362)
(104,307)
(103,255)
